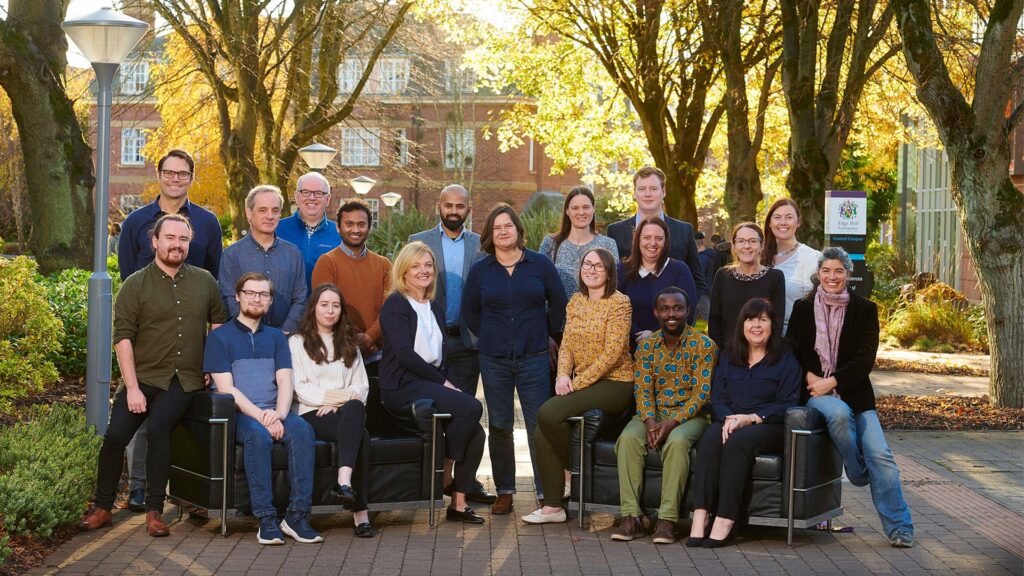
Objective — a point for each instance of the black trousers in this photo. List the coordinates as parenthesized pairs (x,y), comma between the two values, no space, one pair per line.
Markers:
(464,363)
(346,427)
(722,471)
(374,411)
(463,435)
(163,410)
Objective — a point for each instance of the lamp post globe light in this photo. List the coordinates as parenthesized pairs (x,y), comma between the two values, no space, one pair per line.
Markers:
(105,37)
(391,198)
(362,184)
(317,156)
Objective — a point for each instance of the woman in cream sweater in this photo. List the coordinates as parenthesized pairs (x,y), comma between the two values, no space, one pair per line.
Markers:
(330,389)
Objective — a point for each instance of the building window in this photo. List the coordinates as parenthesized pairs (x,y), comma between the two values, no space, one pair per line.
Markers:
(129,202)
(458,80)
(360,146)
(531,168)
(389,76)
(132,142)
(459,149)
(134,77)
(401,147)
(374,204)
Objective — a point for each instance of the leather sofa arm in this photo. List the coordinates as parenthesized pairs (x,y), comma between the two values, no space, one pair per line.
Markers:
(209,405)
(812,459)
(416,417)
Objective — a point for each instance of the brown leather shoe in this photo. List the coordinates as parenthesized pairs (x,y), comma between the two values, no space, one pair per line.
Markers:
(503,505)
(630,528)
(94,519)
(155,524)
(664,532)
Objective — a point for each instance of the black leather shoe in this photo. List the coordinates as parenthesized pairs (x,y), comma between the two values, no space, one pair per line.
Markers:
(137,500)
(479,495)
(364,530)
(344,495)
(467,515)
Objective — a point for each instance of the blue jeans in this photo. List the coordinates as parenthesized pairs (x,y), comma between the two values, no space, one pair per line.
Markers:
(503,377)
(867,458)
(299,440)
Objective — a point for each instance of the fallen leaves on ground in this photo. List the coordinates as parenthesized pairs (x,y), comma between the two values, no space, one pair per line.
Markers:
(946,413)
(943,368)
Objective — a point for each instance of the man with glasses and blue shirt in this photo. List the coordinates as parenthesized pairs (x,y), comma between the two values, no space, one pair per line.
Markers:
(175,174)
(309,228)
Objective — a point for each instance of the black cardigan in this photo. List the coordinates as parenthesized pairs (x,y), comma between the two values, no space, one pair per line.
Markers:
(858,344)
(399,363)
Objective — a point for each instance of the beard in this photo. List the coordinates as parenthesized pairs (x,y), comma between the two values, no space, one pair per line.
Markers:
(453,222)
(172,258)
(253,313)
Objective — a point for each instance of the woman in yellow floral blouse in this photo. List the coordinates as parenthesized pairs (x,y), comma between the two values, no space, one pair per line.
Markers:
(594,371)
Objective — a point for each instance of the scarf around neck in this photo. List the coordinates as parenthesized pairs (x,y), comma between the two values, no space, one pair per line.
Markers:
(829,314)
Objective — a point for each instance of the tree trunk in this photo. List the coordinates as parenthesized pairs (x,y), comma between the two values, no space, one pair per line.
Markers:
(991,210)
(58,160)
(806,182)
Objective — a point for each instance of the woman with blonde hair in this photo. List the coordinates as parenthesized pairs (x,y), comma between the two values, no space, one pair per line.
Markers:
(414,366)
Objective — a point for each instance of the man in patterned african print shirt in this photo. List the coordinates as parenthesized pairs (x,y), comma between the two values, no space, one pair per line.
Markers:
(672,384)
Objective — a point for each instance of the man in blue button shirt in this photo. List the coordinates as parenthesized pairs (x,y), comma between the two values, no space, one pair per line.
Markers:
(262,251)
(456,249)
(175,173)
(309,228)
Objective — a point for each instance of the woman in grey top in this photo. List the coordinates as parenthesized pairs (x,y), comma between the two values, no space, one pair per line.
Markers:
(577,236)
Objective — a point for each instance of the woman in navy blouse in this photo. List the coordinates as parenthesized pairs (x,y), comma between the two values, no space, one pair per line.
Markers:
(756,380)
(414,366)
(647,272)
(515,303)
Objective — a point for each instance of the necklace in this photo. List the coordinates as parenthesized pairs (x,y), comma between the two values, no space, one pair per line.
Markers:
(787,252)
(512,265)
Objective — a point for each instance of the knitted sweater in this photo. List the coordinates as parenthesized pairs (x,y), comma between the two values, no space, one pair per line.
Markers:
(364,282)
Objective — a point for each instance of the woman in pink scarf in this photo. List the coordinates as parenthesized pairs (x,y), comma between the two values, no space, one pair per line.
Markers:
(835,337)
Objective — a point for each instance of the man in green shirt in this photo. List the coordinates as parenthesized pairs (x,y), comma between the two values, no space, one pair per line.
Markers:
(160,324)
(672,384)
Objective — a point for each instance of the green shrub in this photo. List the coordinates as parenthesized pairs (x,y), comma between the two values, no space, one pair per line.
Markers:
(538,224)
(68,294)
(926,324)
(48,470)
(392,234)
(892,269)
(29,332)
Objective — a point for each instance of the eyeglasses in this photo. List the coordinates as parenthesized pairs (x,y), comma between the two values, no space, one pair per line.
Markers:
(314,193)
(175,175)
(254,295)
(747,242)
(592,266)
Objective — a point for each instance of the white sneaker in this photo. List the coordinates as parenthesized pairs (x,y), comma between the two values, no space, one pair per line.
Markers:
(537,518)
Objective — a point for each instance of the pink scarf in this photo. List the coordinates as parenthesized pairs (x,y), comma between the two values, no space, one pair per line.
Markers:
(829,314)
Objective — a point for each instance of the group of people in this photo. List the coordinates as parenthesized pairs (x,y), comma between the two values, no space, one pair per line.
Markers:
(311,332)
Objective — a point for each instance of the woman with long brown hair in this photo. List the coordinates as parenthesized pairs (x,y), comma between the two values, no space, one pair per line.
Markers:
(782,251)
(577,236)
(649,270)
(331,389)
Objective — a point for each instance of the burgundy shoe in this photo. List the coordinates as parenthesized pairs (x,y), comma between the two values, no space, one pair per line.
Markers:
(95,519)
(155,524)
(503,505)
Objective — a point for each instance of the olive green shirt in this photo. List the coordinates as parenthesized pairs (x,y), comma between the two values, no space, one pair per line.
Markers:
(165,319)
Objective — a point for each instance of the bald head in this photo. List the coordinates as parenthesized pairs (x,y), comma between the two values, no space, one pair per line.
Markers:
(453,207)
(312,195)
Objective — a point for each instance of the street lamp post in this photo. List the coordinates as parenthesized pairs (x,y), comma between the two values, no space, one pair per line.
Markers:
(317,156)
(362,184)
(105,37)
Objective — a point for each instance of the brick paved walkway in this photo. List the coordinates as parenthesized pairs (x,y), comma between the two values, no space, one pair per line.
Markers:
(965,491)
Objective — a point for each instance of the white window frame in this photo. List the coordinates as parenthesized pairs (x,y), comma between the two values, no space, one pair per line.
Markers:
(133,140)
(532,168)
(360,146)
(390,75)
(374,204)
(458,80)
(401,147)
(459,148)
(134,77)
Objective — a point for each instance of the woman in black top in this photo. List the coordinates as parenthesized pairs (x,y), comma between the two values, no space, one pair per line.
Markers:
(747,278)
(757,379)
(414,366)
(835,333)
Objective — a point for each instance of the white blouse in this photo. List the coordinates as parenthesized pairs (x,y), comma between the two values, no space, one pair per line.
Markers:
(331,384)
(798,270)
(429,338)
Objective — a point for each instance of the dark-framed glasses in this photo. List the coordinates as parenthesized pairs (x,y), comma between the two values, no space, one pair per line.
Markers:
(175,175)
(314,193)
(254,295)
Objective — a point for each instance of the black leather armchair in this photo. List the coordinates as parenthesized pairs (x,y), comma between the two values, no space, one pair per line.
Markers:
(797,489)
(406,460)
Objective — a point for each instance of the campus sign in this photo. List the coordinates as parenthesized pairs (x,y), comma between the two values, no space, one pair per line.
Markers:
(846,226)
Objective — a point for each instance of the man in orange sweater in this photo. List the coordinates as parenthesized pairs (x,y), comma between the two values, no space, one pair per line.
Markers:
(364,278)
